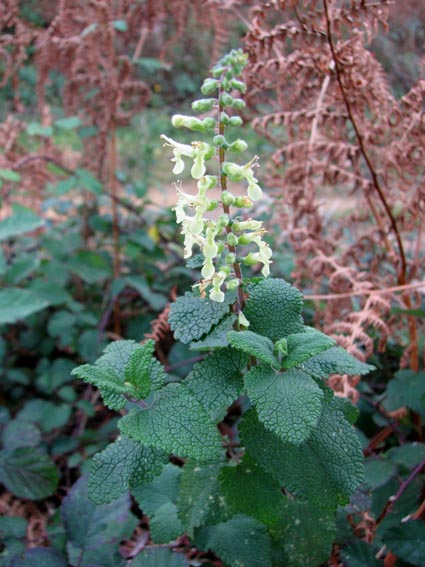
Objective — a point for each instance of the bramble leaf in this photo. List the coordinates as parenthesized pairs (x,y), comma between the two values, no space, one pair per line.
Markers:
(157,499)
(200,501)
(406,389)
(358,554)
(324,470)
(94,532)
(239,542)
(16,304)
(176,423)
(274,309)
(28,473)
(253,345)
(288,403)
(303,346)
(217,382)
(335,360)
(407,541)
(21,222)
(158,557)
(191,317)
(124,464)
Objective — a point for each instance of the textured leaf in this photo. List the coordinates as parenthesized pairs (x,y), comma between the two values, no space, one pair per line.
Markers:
(17,304)
(239,542)
(304,534)
(158,500)
(324,470)
(176,423)
(378,472)
(117,355)
(122,465)
(360,554)
(191,317)
(303,346)
(406,389)
(158,557)
(19,223)
(217,338)
(249,490)
(274,309)
(19,433)
(335,360)
(28,473)
(200,500)
(253,345)
(289,403)
(216,382)
(143,372)
(40,557)
(407,541)
(94,532)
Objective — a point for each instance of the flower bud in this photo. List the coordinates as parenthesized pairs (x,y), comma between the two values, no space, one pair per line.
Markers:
(203,104)
(238,85)
(209,123)
(212,205)
(233,171)
(249,260)
(235,121)
(226,99)
(238,103)
(281,347)
(209,86)
(233,284)
(220,141)
(249,224)
(243,202)
(230,259)
(207,182)
(238,146)
(227,198)
(224,118)
(222,222)
(242,320)
(232,239)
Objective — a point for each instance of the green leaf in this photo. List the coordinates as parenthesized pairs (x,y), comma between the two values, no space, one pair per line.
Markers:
(335,360)
(144,372)
(409,455)
(289,403)
(120,25)
(68,123)
(254,345)
(157,500)
(406,389)
(123,465)
(9,175)
(304,534)
(155,300)
(111,386)
(239,542)
(249,490)
(19,433)
(176,423)
(217,338)
(407,541)
(191,317)
(89,181)
(46,414)
(17,304)
(94,532)
(200,500)
(217,382)
(117,355)
(274,309)
(378,472)
(50,292)
(324,470)
(91,267)
(303,346)
(19,223)
(40,557)
(20,269)
(37,129)
(359,554)
(28,473)
(158,557)
(12,527)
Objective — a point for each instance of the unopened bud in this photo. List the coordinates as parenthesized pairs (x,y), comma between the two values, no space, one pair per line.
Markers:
(235,121)
(233,171)
(232,239)
(209,86)
(238,146)
(227,198)
(220,141)
(243,202)
(238,85)
(233,284)
(203,104)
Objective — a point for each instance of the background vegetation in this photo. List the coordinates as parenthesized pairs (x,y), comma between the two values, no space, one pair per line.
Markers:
(91,252)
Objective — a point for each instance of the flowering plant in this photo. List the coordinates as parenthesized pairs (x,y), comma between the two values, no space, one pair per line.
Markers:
(220,239)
